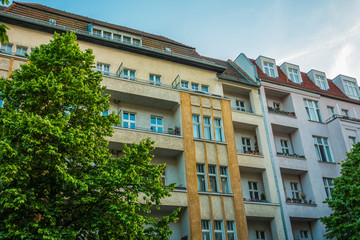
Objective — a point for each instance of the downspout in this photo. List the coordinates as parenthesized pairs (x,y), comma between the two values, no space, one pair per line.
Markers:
(273,163)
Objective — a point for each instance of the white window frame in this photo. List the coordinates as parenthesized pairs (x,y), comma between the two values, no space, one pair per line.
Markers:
(352,141)
(207,128)
(206,229)
(260,235)
(312,110)
(21,50)
(351,88)
(254,190)
(6,48)
(127,74)
(184,84)
(103,68)
(269,69)
(155,79)
(194,86)
(224,178)
(240,105)
(320,81)
(196,126)
(323,150)
(212,170)
(246,144)
(219,229)
(156,127)
(284,143)
(295,190)
(294,75)
(205,88)
(231,229)
(328,185)
(345,112)
(331,111)
(218,130)
(201,177)
(128,121)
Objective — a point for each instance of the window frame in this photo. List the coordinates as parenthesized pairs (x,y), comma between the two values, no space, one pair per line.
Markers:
(285,148)
(201,174)
(184,84)
(329,186)
(321,82)
(219,229)
(326,149)
(269,69)
(260,235)
(351,88)
(157,127)
(196,125)
(194,86)
(207,135)
(294,75)
(207,230)
(102,68)
(231,230)
(239,106)
(128,121)
(155,79)
(331,111)
(247,145)
(295,190)
(5,47)
(224,179)
(218,130)
(312,110)
(212,171)
(21,53)
(128,74)
(254,190)
(345,113)
(207,87)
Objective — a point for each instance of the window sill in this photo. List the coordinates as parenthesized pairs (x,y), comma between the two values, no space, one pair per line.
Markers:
(212,141)
(316,121)
(216,193)
(332,163)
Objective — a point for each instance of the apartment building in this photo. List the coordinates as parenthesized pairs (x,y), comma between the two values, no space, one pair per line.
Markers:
(311,123)
(204,115)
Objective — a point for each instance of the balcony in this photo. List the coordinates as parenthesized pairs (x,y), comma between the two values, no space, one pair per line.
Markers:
(260,228)
(280,111)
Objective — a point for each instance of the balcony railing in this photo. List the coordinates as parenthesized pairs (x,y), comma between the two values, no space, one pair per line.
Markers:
(171,131)
(240,110)
(251,152)
(342,117)
(290,155)
(300,201)
(279,111)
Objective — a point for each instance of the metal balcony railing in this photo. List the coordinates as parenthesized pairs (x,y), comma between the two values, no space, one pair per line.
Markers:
(171,131)
(341,117)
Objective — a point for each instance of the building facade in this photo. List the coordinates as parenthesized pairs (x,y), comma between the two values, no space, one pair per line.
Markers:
(238,138)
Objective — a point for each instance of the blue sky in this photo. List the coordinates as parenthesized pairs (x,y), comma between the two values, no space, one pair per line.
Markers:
(318,34)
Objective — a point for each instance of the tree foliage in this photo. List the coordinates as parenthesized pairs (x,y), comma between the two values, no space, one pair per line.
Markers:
(344,222)
(58,180)
(3,28)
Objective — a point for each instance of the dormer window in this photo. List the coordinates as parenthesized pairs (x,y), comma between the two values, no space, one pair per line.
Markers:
(294,75)
(269,69)
(320,81)
(351,89)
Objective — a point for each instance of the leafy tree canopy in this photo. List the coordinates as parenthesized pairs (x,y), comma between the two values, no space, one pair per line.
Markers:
(344,222)
(3,35)
(57,178)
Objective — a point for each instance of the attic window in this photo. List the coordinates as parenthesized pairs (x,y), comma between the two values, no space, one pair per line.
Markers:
(52,21)
(168,49)
(320,82)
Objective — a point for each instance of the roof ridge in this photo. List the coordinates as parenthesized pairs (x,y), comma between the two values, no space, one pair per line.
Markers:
(95,21)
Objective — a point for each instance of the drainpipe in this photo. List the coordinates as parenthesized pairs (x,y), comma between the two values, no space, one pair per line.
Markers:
(272,162)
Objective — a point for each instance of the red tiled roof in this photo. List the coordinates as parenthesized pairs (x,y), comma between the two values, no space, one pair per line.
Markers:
(308,85)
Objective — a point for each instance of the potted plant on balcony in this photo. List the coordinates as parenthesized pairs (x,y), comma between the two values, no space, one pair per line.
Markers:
(177,130)
(288,199)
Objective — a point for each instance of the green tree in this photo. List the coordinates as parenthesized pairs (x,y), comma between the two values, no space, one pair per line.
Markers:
(3,36)
(58,180)
(344,222)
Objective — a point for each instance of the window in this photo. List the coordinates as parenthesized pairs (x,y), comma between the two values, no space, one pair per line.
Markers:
(21,50)
(205,228)
(128,120)
(284,146)
(196,126)
(129,74)
(218,129)
(107,35)
(156,124)
(351,88)
(195,86)
(104,68)
(331,111)
(253,190)
(320,82)
(246,144)
(328,184)
(294,75)
(155,79)
(219,234)
(184,84)
(312,110)
(136,42)
(260,235)
(6,48)
(231,230)
(269,69)
(295,191)
(240,105)
(276,105)
(345,112)
(213,179)
(207,128)
(127,39)
(352,139)
(304,234)
(224,180)
(323,150)
(201,177)
(117,37)
(205,88)
(97,32)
